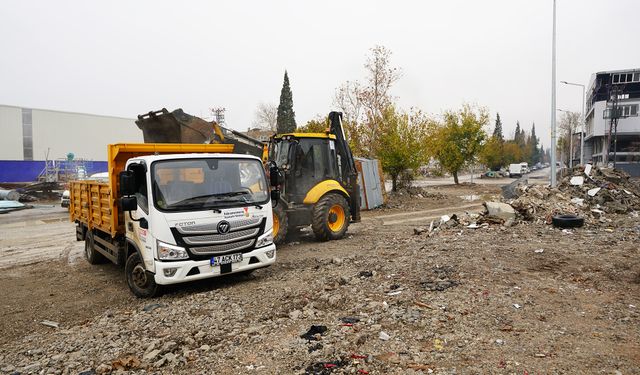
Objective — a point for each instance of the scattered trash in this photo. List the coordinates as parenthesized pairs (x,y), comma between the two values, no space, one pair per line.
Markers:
(517,306)
(438,345)
(438,285)
(153,306)
(394,293)
(576,180)
(473,226)
(540,355)
(539,251)
(422,304)
(419,230)
(350,320)
(50,323)
(593,192)
(384,336)
(500,342)
(323,368)
(587,169)
(365,274)
(567,231)
(313,331)
(577,201)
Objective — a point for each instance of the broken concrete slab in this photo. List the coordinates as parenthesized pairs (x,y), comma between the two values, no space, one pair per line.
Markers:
(500,210)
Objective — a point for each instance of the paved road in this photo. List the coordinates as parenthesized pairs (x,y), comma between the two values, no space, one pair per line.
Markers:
(540,176)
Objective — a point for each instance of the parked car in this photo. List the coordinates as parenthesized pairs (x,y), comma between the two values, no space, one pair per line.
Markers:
(64,199)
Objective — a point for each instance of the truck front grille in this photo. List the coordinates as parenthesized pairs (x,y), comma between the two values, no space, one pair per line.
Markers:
(215,239)
(222,249)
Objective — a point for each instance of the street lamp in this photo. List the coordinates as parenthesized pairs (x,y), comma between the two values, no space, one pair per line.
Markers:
(582,134)
(553,100)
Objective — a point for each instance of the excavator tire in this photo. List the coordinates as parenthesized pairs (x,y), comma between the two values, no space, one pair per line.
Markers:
(330,217)
(280,224)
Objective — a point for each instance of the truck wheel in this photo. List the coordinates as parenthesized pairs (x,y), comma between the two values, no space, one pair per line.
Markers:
(93,257)
(330,217)
(280,224)
(139,280)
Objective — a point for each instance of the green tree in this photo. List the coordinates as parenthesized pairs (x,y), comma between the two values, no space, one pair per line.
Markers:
(512,153)
(286,120)
(317,125)
(459,140)
(532,146)
(402,143)
(492,153)
(497,130)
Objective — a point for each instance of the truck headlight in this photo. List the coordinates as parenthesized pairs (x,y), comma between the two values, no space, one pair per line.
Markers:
(171,252)
(265,240)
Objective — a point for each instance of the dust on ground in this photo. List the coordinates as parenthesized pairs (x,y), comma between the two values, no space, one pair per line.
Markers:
(524,299)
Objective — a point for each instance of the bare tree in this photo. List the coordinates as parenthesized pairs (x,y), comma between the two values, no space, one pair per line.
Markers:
(364,105)
(266,115)
(569,122)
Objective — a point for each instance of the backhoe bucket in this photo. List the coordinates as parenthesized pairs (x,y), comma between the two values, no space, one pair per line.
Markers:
(176,127)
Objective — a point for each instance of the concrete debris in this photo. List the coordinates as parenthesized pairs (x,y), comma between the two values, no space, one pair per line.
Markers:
(500,210)
(605,192)
(50,323)
(576,180)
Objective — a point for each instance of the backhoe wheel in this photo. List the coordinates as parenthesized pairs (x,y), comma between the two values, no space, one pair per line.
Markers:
(280,224)
(140,281)
(330,217)
(93,257)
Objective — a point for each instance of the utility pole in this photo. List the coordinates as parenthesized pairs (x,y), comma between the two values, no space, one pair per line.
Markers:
(553,100)
(218,115)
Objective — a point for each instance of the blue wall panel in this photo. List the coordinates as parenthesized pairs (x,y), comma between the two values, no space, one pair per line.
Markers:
(28,170)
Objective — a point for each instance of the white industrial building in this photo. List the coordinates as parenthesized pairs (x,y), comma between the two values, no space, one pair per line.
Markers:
(31,134)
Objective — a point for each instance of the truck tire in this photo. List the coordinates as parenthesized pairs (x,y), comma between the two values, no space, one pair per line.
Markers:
(93,257)
(330,217)
(140,281)
(280,224)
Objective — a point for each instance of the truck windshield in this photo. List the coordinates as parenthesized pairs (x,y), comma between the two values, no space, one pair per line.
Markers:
(188,184)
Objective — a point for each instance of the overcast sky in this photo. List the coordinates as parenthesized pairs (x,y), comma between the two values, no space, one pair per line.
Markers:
(124,58)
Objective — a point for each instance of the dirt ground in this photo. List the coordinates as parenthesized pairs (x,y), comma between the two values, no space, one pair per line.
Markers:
(526,299)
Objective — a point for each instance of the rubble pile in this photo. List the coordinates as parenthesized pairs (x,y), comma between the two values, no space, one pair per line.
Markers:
(588,192)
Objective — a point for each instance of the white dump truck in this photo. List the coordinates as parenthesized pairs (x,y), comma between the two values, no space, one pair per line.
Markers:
(172,213)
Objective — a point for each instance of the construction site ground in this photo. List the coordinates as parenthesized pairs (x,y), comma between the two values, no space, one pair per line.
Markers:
(526,299)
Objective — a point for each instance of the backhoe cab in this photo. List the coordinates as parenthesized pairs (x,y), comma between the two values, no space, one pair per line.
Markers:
(319,182)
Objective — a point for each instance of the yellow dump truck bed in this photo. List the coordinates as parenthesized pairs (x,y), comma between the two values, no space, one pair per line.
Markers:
(96,203)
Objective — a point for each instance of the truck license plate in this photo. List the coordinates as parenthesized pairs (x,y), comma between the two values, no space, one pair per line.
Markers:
(226,259)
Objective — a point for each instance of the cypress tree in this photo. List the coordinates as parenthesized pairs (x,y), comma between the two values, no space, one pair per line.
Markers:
(535,155)
(497,131)
(286,121)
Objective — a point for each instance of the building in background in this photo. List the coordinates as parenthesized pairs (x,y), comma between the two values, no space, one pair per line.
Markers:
(31,136)
(260,134)
(613,96)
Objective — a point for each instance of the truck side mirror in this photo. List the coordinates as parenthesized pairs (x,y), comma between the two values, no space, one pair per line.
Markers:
(275,197)
(127,183)
(274,175)
(128,203)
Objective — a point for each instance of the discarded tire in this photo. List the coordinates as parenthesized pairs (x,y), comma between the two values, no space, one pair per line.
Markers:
(567,221)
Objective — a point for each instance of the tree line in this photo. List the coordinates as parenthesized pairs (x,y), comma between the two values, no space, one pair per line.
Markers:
(405,140)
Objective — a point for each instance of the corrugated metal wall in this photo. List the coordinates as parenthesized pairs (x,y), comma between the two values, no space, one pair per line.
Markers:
(371,194)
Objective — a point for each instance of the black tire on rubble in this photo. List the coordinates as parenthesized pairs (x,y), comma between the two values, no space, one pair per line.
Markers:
(330,217)
(140,281)
(567,221)
(280,224)
(93,257)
